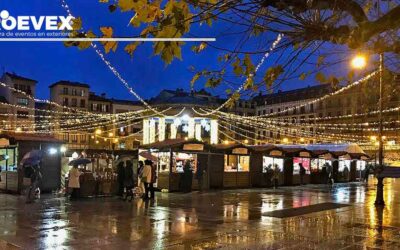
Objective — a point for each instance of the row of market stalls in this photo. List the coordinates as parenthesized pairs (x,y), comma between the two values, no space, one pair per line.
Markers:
(240,166)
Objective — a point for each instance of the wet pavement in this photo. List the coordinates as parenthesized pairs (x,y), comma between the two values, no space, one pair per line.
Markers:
(230,219)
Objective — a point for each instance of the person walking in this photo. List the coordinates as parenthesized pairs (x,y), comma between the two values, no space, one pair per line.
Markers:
(199,175)
(275,176)
(153,180)
(120,178)
(129,180)
(188,177)
(366,174)
(73,182)
(35,177)
(302,173)
(146,178)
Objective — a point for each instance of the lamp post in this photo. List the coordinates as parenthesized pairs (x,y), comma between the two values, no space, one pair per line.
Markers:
(360,62)
(379,201)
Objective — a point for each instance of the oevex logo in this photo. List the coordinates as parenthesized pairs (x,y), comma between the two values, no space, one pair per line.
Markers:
(37,23)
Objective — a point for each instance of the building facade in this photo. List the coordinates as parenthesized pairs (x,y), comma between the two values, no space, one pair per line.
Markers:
(21,108)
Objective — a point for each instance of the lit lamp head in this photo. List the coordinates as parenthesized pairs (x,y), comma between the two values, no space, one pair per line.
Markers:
(373,138)
(116,140)
(110,134)
(285,140)
(359,62)
(63,149)
(98,131)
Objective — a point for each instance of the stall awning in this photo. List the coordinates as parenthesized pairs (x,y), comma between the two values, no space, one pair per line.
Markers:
(191,145)
(234,149)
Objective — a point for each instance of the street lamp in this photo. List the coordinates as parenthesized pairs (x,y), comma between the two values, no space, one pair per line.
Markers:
(360,62)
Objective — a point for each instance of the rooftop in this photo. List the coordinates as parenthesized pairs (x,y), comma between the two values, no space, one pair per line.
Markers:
(68,83)
(3,99)
(99,98)
(17,77)
(295,94)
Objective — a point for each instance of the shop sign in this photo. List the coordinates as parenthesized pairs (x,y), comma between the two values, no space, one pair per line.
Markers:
(345,157)
(304,154)
(240,151)
(327,156)
(193,147)
(275,153)
(4,142)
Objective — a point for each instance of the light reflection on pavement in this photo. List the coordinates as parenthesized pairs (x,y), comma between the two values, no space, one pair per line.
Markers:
(230,219)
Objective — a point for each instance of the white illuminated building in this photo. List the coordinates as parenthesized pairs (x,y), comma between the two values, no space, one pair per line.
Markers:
(185,126)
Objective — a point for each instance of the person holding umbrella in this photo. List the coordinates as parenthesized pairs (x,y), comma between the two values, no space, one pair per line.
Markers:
(73,182)
(30,164)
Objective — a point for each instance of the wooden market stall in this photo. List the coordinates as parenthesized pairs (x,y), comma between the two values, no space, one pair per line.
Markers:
(172,154)
(264,159)
(235,166)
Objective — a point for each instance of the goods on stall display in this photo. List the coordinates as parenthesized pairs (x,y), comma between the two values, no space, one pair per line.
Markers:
(269,164)
(296,164)
(237,163)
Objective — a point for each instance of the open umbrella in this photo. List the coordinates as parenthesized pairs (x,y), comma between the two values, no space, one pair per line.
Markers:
(148,156)
(123,159)
(33,157)
(79,161)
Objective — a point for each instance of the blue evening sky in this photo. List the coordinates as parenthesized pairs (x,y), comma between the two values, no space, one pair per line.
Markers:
(48,62)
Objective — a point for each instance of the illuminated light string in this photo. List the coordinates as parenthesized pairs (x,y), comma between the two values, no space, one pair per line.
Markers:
(2,84)
(288,122)
(285,133)
(89,126)
(264,127)
(111,67)
(289,133)
(96,125)
(365,78)
(60,121)
(266,55)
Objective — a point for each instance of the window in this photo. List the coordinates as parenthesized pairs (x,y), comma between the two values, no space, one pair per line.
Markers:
(65,91)
(94,106)
(74,102)
(83,103)
(22,101)
(22,114)
(65,101)
(104,108)
(82,92)
(74,138)
(74,92)
(237,163)
(311,107)
(83,138)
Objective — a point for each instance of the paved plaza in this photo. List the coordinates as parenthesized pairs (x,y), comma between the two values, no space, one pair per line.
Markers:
(344,218)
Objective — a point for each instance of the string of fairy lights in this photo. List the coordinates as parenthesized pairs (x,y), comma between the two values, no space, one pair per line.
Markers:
(112,68)
(83,122)
(250,76)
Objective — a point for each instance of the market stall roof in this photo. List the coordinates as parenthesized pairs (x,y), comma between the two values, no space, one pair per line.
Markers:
(295,150)
(348,148)
(236,148)
(359,156)
(31,137)
(178,145)
(263,148)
